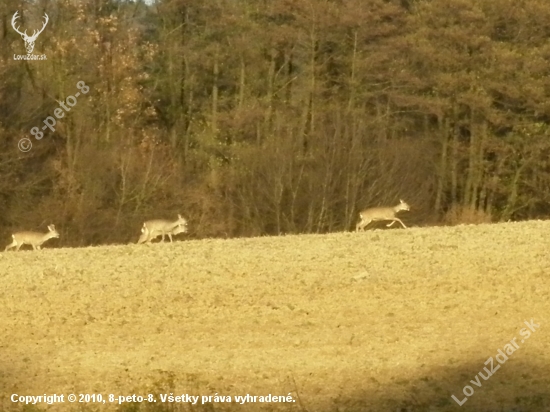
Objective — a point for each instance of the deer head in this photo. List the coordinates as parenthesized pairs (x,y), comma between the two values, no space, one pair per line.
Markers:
(29,40)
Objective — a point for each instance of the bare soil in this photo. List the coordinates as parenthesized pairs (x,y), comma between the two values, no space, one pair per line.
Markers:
(383,320)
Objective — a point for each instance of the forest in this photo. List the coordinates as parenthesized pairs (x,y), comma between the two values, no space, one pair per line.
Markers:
(262,117)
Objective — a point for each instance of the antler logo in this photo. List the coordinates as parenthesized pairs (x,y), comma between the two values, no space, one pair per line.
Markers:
(29,40)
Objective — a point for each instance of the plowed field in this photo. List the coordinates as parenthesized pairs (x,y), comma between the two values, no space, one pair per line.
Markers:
(373,321)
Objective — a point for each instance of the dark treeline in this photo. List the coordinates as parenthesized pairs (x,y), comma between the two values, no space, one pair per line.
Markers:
(255,117)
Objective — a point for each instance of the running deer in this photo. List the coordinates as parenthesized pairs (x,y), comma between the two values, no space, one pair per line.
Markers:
(381,213)
(146,238)
(154,228)
(34,239)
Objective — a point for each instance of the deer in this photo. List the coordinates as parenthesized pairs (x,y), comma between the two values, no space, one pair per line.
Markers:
(154,228)
(146,238)
(29,40)
(35,239)
(380,214)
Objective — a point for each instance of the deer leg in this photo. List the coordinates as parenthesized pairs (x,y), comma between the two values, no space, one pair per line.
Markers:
(399,220)
(363,224)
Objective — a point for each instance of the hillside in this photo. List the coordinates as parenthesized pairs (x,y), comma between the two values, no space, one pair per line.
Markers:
(343,322)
